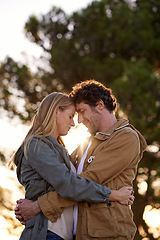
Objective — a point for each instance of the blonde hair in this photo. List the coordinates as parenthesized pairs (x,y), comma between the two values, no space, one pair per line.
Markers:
(44,122)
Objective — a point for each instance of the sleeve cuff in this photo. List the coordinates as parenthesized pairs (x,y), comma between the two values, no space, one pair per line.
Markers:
(107,194)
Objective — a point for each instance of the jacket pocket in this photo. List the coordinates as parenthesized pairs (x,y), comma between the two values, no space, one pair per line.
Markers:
(101,221)
(126,225)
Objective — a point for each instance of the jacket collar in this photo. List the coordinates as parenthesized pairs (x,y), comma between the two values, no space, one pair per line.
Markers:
(117,126)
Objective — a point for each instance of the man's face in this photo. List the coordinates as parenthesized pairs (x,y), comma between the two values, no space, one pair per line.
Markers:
(89,116)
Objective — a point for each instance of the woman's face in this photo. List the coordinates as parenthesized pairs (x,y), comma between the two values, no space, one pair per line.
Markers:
(65,120)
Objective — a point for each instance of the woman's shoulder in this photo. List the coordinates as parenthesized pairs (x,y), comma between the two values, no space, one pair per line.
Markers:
(44,142)
(37,143)
(41,139)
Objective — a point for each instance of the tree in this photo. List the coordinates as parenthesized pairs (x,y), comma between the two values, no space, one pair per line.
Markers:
(114,42)
(138,91)
(21,90)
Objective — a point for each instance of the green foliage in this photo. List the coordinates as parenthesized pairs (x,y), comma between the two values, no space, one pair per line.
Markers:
(138,91)
(15,83)
(20,90)
(114,41)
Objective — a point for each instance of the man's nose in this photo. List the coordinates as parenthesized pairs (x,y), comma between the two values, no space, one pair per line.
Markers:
(80,118)
(73,123)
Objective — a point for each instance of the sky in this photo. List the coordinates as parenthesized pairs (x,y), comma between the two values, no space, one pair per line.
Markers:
(13,15)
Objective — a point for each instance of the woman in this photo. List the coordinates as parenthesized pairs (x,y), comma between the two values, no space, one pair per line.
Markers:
(43,165)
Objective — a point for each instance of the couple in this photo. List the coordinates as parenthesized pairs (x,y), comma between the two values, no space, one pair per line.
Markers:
(59,188)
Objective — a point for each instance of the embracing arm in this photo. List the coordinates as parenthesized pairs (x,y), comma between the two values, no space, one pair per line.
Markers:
(51,167)
(52,204)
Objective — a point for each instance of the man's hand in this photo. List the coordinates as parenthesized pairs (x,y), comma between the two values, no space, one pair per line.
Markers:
(26,209)
(124,195)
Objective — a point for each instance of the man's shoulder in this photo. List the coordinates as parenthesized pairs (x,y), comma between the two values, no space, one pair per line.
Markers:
(126,132)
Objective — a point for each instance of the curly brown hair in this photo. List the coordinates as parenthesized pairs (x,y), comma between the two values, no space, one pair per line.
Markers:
(90,92)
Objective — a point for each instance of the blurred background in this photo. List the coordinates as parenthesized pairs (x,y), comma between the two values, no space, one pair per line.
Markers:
(48,46)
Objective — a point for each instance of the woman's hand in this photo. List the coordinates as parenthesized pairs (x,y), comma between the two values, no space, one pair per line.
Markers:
(124,195)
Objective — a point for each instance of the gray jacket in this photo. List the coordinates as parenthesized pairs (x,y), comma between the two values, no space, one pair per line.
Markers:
(47,168)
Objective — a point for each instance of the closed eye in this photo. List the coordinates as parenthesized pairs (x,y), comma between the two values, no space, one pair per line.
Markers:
(81,112)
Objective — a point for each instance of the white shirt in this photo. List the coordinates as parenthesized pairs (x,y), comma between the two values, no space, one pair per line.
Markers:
(79,170)
(64,224)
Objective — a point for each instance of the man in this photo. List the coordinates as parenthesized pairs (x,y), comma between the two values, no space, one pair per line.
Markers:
(110,159)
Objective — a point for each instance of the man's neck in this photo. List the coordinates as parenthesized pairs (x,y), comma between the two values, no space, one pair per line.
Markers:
(107,121)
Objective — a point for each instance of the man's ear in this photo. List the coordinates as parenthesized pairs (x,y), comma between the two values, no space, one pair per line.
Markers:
(100,105)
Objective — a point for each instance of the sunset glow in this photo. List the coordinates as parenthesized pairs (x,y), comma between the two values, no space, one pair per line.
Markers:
(152,218)
(76,136)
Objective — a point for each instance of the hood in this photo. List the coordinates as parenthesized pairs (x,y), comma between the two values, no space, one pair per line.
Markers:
(19,155)
(18,160)
(143,143)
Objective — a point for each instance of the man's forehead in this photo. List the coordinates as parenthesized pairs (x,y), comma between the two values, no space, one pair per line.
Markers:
(80,106)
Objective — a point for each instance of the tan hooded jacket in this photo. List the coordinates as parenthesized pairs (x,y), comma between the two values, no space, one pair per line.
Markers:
(112,161)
